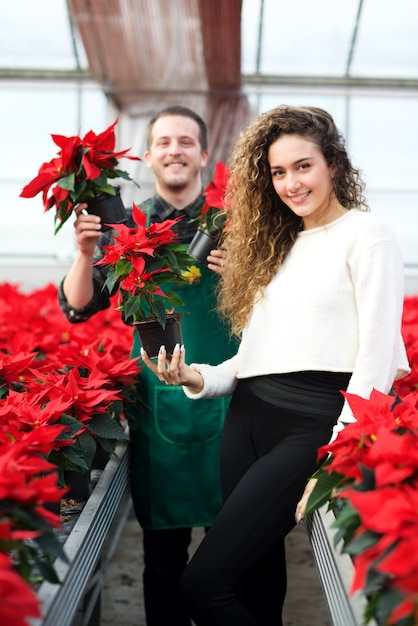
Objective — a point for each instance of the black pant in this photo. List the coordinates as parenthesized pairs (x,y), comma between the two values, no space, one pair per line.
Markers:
(237,577)
(165,558)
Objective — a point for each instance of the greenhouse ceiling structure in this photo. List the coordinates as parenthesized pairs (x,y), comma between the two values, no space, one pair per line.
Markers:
(71,65)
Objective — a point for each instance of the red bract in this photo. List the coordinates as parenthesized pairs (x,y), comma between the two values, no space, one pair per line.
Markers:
(215,191)
(402,561)
(13,368)
(85,396)
(25,474)
(212,218)
(388,511)
(29,411)
(99,360)
(17,599)
(134,244)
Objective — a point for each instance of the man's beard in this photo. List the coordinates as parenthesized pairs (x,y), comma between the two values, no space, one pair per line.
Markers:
(175,185)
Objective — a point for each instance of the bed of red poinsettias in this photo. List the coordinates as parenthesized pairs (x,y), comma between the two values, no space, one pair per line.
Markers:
(373,469)
(62,392)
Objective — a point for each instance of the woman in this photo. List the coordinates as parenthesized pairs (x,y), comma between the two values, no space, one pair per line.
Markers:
(313,285)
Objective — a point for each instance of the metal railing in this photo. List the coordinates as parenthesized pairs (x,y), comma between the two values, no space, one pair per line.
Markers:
(335,571)
(93,536)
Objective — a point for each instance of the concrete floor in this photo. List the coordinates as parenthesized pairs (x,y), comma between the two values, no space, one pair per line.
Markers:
(122,600)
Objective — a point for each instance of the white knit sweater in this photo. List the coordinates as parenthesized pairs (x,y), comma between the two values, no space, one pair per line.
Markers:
(335,305)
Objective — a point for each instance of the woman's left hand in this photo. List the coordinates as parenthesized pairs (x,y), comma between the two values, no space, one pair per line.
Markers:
(301,507)
(173,370)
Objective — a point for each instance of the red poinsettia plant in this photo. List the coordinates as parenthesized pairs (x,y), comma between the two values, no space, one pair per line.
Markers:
(143,261)
(63,389)
(371,483)
(80,171)
(212,217)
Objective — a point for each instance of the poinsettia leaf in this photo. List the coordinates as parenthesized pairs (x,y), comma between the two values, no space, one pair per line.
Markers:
(374,581)
(106,188)
(101,180)
(133,307)
(368,483)
(156,263)
(69,458)
(47,571)
(125,175)
(160,312)
(106,427)
(88,447)
(49,544)
(346,522)
(73,426)
(67,182)
(3,390)
(108,445)
(174,299)
(122,268)
(327,482)
(361,542)
(110,281)
(386,603)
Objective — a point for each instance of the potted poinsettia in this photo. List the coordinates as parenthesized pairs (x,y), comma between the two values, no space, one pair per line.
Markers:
(145,263)
(81,172)
(212,218)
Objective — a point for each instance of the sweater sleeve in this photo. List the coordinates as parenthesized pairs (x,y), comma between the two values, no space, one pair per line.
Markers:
(218,380)
(378,282)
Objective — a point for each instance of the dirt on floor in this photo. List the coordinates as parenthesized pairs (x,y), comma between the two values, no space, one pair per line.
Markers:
(122,599)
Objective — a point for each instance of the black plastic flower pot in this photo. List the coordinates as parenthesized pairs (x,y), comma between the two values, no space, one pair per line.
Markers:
(79,485)
(201,245)
(153,335)
(109,208)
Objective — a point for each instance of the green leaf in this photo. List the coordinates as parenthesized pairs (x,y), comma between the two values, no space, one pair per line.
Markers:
(105,427)
(88,446)
(174,299)
(49,544)
(322,492)
(67,182)
(47,571)
(386,603)
(160,312)
(108,445)
(73,424)
(362,542)
(347,522)
(110,281)
(369,481)
(70,458)
(134,307)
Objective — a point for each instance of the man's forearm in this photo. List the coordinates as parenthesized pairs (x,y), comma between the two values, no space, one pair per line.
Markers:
(78,283)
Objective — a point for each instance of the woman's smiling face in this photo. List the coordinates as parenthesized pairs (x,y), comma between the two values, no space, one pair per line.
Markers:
(303,180)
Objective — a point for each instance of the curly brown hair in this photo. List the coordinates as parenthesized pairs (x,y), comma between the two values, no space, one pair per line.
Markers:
(262,229)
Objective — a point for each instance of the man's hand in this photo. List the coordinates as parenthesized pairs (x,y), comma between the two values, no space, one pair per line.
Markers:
(87,230)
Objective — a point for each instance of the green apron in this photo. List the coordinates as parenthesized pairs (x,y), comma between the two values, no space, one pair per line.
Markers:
(175,441)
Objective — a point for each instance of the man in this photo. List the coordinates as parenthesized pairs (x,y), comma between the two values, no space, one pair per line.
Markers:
(174,440)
